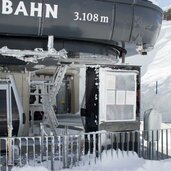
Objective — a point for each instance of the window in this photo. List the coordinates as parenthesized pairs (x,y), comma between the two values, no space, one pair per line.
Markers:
(119,112)
(125,82)
(117,96)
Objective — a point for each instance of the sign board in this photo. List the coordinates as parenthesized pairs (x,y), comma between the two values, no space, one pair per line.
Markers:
(61,18)
(92,20)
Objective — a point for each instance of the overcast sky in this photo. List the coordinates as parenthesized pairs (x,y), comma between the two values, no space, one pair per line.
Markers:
(164,3)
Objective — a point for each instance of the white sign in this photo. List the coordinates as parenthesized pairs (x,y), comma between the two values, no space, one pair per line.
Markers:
(36,9)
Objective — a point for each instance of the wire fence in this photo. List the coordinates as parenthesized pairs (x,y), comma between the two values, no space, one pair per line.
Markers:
(68,151)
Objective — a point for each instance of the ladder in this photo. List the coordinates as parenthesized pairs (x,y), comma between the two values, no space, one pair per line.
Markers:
(50,96)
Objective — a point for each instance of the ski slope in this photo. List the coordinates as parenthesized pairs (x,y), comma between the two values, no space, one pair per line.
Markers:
(156,67)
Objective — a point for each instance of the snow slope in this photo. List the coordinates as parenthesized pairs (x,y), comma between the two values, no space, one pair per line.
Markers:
(156,66)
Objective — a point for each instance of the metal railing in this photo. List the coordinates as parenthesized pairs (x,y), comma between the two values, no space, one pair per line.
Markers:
(67,151)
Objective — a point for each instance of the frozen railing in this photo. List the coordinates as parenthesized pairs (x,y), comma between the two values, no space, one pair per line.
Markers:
(67,151)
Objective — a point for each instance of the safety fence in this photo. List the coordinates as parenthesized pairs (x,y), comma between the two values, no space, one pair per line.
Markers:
(67,151)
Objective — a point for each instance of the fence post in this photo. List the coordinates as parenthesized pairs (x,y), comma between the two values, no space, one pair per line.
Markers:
(0,154)
(100,146)
(162,144)
(148,147)
(167,144)
(111,136)
(10,164)
(52,153)
(156,87)
(94,147)
(138,144)
(65,152)
(42,139)
(71,153)
(157,144)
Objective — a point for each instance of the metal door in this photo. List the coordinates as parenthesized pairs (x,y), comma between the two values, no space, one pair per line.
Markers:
(9,111)
(5,109)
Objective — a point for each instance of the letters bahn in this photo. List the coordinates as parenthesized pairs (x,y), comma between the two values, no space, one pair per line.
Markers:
(31,9)
(72,48)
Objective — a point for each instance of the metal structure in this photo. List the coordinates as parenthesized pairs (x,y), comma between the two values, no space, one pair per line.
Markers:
(67,151)
(49,98)
(12,112)
(87,32)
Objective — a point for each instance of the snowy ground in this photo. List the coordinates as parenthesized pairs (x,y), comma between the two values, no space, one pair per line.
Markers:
(156,66)
(122,162)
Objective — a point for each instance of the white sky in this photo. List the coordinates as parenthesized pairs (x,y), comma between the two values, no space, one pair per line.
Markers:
(164,3)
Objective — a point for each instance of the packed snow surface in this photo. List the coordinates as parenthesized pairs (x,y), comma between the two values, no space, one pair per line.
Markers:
(122,162)
(156,67)
(29,168)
